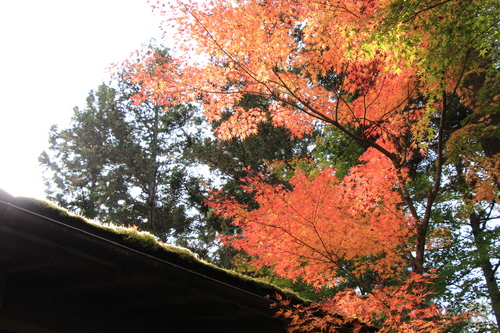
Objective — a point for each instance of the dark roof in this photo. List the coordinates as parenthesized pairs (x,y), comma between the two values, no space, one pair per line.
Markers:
(61,273)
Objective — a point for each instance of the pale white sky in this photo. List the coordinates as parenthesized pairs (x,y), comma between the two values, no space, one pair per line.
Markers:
(52,53)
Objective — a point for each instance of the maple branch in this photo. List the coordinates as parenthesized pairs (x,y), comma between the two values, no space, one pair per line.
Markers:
(321,116)
(412,17)
(360,283)
(329,256)
(220,47)
(338,261)
(344,7)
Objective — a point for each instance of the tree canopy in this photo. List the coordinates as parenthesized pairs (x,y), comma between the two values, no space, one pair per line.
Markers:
(415,84)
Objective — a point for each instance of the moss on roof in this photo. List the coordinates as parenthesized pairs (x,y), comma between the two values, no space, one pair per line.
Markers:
(143,242)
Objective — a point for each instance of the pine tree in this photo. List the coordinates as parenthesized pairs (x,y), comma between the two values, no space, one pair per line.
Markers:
(120,162)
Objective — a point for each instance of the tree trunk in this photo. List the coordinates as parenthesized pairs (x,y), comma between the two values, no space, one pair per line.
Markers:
(485,264)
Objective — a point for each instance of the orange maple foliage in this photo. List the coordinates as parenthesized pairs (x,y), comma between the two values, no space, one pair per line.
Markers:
(402,309)
(325,225)
(284,50)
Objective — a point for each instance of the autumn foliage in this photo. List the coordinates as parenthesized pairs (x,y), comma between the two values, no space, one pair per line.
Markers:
(324,225)
(380,71)
(400,309)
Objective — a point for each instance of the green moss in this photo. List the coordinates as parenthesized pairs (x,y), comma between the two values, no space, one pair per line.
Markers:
(139,240)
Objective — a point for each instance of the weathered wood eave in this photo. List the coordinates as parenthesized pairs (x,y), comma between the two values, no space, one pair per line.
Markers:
(58,278)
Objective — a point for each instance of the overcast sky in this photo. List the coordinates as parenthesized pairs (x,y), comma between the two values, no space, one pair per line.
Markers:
(52,53)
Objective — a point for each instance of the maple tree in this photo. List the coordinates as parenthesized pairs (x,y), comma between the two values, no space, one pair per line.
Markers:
(389,75)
